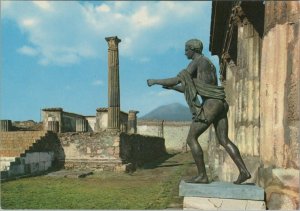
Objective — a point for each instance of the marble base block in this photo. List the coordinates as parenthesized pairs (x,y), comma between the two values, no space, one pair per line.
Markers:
(222,196)
(202,203)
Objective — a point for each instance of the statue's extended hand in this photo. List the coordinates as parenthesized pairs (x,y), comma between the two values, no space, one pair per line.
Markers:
(150,82)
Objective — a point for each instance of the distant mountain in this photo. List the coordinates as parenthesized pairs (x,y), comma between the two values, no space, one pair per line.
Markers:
(171,112)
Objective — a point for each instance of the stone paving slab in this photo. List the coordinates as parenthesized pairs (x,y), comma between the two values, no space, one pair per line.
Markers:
(70,174)
(223,190)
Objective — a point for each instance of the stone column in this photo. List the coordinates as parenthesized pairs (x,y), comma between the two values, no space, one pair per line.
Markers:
(81,125)
(5,125)
(113,83)
(132,123)
(161,128)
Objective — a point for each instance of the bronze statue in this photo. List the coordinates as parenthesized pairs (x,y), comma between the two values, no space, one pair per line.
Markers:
(200,78)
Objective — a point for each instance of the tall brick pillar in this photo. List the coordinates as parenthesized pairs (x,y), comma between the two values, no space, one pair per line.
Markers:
(113,83)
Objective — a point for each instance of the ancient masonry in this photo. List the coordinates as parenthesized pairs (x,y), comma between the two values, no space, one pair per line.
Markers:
(113,83)
(259,49)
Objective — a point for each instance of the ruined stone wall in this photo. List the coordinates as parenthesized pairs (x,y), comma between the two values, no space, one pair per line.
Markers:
(138,149)
(279,105)
(102,120)
(91,150)
(53,115)
(109,150)
(16,142)
(174,133)
(73,122)
(29,153)
(91,120)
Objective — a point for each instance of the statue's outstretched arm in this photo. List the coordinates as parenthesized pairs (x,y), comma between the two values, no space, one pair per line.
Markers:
(168,82)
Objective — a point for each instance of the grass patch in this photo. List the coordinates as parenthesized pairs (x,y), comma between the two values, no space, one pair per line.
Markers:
(154,187)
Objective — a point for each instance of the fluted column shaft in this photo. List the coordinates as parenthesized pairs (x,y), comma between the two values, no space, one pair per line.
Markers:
(113,83)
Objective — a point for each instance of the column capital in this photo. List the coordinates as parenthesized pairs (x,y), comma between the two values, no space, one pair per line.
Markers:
(113,41)
(133,111)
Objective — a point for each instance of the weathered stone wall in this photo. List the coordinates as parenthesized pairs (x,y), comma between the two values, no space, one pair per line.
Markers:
(174,133)
(280,86)
(53,115)
(138,149)
(16,142)
(29,153)
(102,120)
(69,121)
(91,150)
(91,123)
(262,88)
(279,105)
(108,150)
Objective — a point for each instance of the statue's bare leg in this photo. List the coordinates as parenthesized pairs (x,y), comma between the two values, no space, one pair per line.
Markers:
(196,129)
(211,109)
(221,128)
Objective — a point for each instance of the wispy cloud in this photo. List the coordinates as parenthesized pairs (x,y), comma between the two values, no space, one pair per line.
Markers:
(65,32)
(98,83)
(29,51)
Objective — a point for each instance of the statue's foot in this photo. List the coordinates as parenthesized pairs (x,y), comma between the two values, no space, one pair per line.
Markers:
(198,179)
(150,82)
(242,177)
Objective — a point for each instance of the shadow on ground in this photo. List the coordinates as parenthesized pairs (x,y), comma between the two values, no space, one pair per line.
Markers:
(164,161)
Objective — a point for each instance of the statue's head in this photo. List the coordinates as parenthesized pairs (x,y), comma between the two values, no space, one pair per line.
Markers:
(194,45)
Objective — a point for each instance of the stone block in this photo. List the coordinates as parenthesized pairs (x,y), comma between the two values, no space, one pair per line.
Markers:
(203,203)
(41,166)
(17,170)
(48,164)
(280,201)
(34,167)
(223,190)
(287,177)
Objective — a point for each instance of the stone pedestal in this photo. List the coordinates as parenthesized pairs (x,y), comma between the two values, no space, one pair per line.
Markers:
(5,125)
(222,196)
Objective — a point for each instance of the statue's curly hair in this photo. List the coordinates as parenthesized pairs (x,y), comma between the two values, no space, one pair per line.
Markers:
(195,45)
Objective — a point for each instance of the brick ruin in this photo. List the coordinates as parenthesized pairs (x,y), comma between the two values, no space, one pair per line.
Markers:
(258,48)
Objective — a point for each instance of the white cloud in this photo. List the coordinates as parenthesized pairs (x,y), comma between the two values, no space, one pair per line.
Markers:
(141,18)
(29,22)
(45,5)
(103,8)
(98,83)
(64,32)
(29,51)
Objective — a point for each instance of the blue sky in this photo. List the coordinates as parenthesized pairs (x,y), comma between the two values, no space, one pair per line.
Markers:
(54,53)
